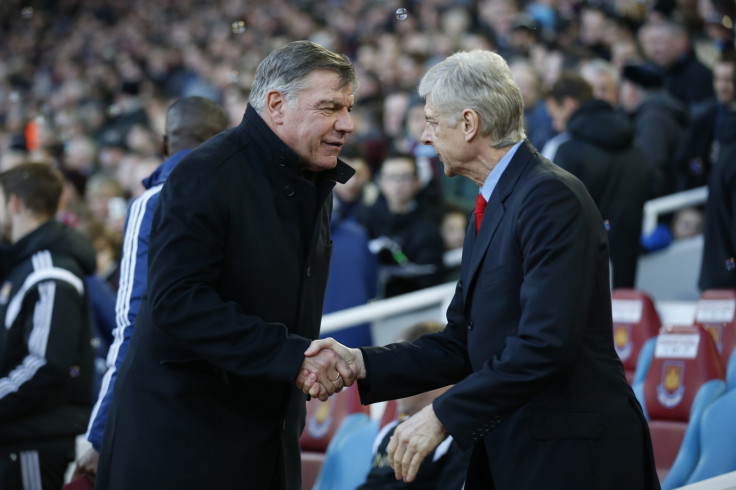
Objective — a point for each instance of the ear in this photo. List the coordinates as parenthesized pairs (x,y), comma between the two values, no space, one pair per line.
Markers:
(470,123)
(15,205)
(275,103)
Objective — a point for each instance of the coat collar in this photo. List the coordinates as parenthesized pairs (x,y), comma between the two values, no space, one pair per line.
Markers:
(278,153)
(475,247)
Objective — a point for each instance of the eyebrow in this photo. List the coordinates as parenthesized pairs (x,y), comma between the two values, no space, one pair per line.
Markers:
(332,102)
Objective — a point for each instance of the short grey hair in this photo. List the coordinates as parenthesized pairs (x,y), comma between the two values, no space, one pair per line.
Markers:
(600,66)
(286,68)
(479,80)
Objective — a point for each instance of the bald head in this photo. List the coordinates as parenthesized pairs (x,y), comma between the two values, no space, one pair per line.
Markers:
(190,121)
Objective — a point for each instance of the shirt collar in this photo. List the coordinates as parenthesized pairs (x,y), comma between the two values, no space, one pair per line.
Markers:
(492,180)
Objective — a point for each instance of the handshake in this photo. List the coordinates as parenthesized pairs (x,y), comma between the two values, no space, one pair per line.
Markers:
(328,367)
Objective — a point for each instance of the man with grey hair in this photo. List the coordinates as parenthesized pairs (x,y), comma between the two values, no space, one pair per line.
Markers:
(539,393)
(238,263)
(604,79)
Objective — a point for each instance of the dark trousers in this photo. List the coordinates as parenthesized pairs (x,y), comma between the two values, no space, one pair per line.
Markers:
(41,466)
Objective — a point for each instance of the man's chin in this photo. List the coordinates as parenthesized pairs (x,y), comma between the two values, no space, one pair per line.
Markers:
(324,163)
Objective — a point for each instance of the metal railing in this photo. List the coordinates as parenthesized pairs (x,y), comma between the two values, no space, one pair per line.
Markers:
(654,208)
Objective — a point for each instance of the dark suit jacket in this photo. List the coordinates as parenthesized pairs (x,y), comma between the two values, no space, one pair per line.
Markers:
(540,393)
(238,265)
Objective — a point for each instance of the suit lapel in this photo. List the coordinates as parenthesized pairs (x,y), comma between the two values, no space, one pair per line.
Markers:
(475,248)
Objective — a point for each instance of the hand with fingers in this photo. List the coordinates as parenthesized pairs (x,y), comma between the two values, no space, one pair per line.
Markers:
(321,375)
(412,441)
(347,366)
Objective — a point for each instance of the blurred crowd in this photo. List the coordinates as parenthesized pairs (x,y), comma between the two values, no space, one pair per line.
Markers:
(84,86)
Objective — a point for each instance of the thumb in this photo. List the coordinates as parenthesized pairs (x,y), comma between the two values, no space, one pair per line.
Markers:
(316,346)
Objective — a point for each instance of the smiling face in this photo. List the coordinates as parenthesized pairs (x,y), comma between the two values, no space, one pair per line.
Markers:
(316,123)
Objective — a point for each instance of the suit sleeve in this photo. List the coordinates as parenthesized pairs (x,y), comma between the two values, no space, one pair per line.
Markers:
(187,254)
(433,361)
(133,273)
(561,253)
(52,318)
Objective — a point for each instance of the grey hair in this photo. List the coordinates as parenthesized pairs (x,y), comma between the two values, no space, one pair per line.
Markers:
(286,68)
(600,66)
(479,80)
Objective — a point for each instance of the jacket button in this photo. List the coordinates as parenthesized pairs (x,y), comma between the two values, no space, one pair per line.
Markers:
(282,161)
(470,325)
(289,191)
(309,271)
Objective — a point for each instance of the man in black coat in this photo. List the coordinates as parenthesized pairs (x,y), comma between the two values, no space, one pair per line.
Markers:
(238,264)
(600,151)
(539,395)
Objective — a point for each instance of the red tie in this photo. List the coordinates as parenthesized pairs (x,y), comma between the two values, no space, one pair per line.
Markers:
(480,207)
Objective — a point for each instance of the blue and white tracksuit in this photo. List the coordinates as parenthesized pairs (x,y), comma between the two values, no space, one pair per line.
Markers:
(133,280)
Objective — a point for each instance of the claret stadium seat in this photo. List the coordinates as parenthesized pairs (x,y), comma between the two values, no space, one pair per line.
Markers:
(685,376)
(716,313)
(636,324)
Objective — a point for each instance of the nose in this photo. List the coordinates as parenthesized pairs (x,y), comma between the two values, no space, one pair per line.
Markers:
(426,138)
(344,122)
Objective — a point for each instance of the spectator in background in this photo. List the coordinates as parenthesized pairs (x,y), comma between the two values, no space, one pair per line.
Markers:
(360,191)
(46,358)
(406,240)
(353,279)
(189,122)
(445,467)
(453,226)
(718,264)
(704,134)
(600,152)
(667,44)
(604,80)
(660,123)
(537,121)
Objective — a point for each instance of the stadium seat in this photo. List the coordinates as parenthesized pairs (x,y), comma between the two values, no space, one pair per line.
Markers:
(636,324)
(684,377)
(348,457)
(716,313)
(322,422)
(717,439)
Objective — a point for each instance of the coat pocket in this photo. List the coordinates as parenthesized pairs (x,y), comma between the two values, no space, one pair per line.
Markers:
(566,424)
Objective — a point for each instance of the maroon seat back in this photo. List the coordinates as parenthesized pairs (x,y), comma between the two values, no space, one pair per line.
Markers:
(635,320)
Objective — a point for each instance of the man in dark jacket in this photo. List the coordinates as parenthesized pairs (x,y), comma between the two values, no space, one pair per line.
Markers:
(237,267)
(46,356)
(189,122)
(660,123)
(600,151)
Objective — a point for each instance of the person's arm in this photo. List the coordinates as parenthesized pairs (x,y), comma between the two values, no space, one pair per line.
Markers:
(53,319)
(189,235)
(133,273)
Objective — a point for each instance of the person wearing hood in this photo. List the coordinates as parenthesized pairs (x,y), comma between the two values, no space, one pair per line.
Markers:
(46,355)
(600,151)
(189,122)
(660,124)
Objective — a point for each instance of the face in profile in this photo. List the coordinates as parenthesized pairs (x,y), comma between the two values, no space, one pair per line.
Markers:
(316,123)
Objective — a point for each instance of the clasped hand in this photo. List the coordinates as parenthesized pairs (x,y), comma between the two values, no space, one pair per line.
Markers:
(328,367)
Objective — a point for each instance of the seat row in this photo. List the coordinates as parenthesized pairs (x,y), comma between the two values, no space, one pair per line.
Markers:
(684,377)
